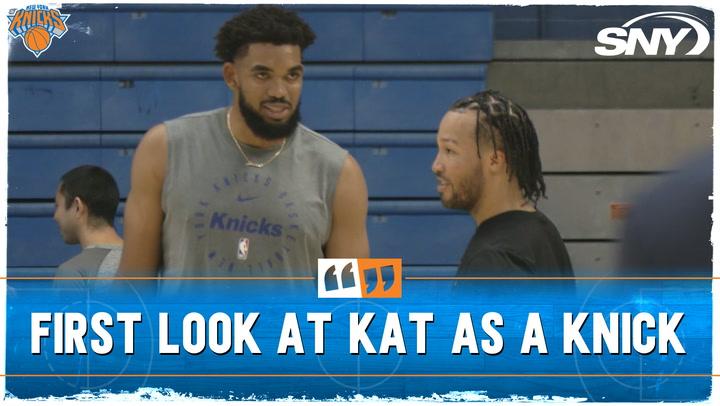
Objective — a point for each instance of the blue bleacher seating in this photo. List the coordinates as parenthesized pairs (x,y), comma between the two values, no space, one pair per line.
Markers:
(423,233)
(398,167)
(412,98)
(393,33)
(48,98)
(59,153)
(338,30)
(136,97)
(89,38)
(345,33)
(35,172)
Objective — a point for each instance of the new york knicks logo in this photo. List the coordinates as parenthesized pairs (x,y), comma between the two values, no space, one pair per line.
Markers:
(37,25)
(371,278)
(248,223)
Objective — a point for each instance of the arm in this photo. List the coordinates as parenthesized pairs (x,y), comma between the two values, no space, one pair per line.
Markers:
(348,236)
(142,250)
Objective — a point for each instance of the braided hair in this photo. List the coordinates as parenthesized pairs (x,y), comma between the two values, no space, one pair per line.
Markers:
(507,127)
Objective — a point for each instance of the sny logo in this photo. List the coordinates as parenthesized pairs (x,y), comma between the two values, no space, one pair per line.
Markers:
(612,37)
(37,25)
(360,278)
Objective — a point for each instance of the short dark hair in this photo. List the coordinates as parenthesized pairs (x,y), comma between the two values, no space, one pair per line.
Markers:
(508,127)
(95,187)
(268,24)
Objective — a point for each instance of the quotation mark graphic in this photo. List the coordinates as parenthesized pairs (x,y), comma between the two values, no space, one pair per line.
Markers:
(360,278)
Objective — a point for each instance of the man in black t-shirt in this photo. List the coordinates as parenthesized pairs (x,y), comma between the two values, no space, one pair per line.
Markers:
(488,164)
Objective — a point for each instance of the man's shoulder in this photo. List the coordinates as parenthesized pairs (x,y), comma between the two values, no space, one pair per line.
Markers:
(86,263)
(493,260)
(75,266)
(309,136)
(524,228)
(199,116)
(195,127)
(71,263)
(525,242)
(317,148)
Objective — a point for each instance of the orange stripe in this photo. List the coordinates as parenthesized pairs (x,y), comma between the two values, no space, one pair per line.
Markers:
(554,278)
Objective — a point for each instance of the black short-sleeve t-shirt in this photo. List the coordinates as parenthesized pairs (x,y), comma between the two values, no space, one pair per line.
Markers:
(516,243)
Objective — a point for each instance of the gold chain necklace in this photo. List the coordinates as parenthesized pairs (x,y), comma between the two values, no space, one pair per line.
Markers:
(248,162)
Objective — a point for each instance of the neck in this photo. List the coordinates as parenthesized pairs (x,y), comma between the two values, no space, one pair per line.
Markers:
(498,202)
(242,133)
(104,235)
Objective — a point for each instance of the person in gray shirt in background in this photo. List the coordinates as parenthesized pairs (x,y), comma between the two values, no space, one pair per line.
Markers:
(85,205)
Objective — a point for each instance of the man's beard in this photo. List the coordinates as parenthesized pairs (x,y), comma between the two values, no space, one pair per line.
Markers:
(264,129)
(464,195)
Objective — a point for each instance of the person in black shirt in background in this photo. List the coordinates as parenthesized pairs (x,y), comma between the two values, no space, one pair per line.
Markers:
(488,164)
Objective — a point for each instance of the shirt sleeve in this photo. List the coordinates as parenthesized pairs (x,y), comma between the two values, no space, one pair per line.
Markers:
(68,271)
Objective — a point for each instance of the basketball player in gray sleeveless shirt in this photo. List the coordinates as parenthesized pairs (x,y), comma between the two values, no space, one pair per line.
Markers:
(245,190)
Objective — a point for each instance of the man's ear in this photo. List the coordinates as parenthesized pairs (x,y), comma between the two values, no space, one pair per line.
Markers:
(229,75)
(78,206)
(498,161)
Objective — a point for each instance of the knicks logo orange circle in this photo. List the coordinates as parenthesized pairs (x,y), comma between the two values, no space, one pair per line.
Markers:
(37,39)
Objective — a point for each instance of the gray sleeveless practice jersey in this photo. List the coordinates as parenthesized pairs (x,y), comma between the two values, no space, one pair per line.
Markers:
(223,218)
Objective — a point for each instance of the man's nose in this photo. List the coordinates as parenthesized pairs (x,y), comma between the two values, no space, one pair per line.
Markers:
(437,166)
(277,90)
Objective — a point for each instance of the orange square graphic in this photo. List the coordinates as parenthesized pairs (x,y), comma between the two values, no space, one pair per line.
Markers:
(380,277)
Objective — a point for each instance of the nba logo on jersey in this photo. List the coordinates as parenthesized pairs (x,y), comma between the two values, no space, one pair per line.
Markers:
(37,25)
(354,278)
(243,248)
